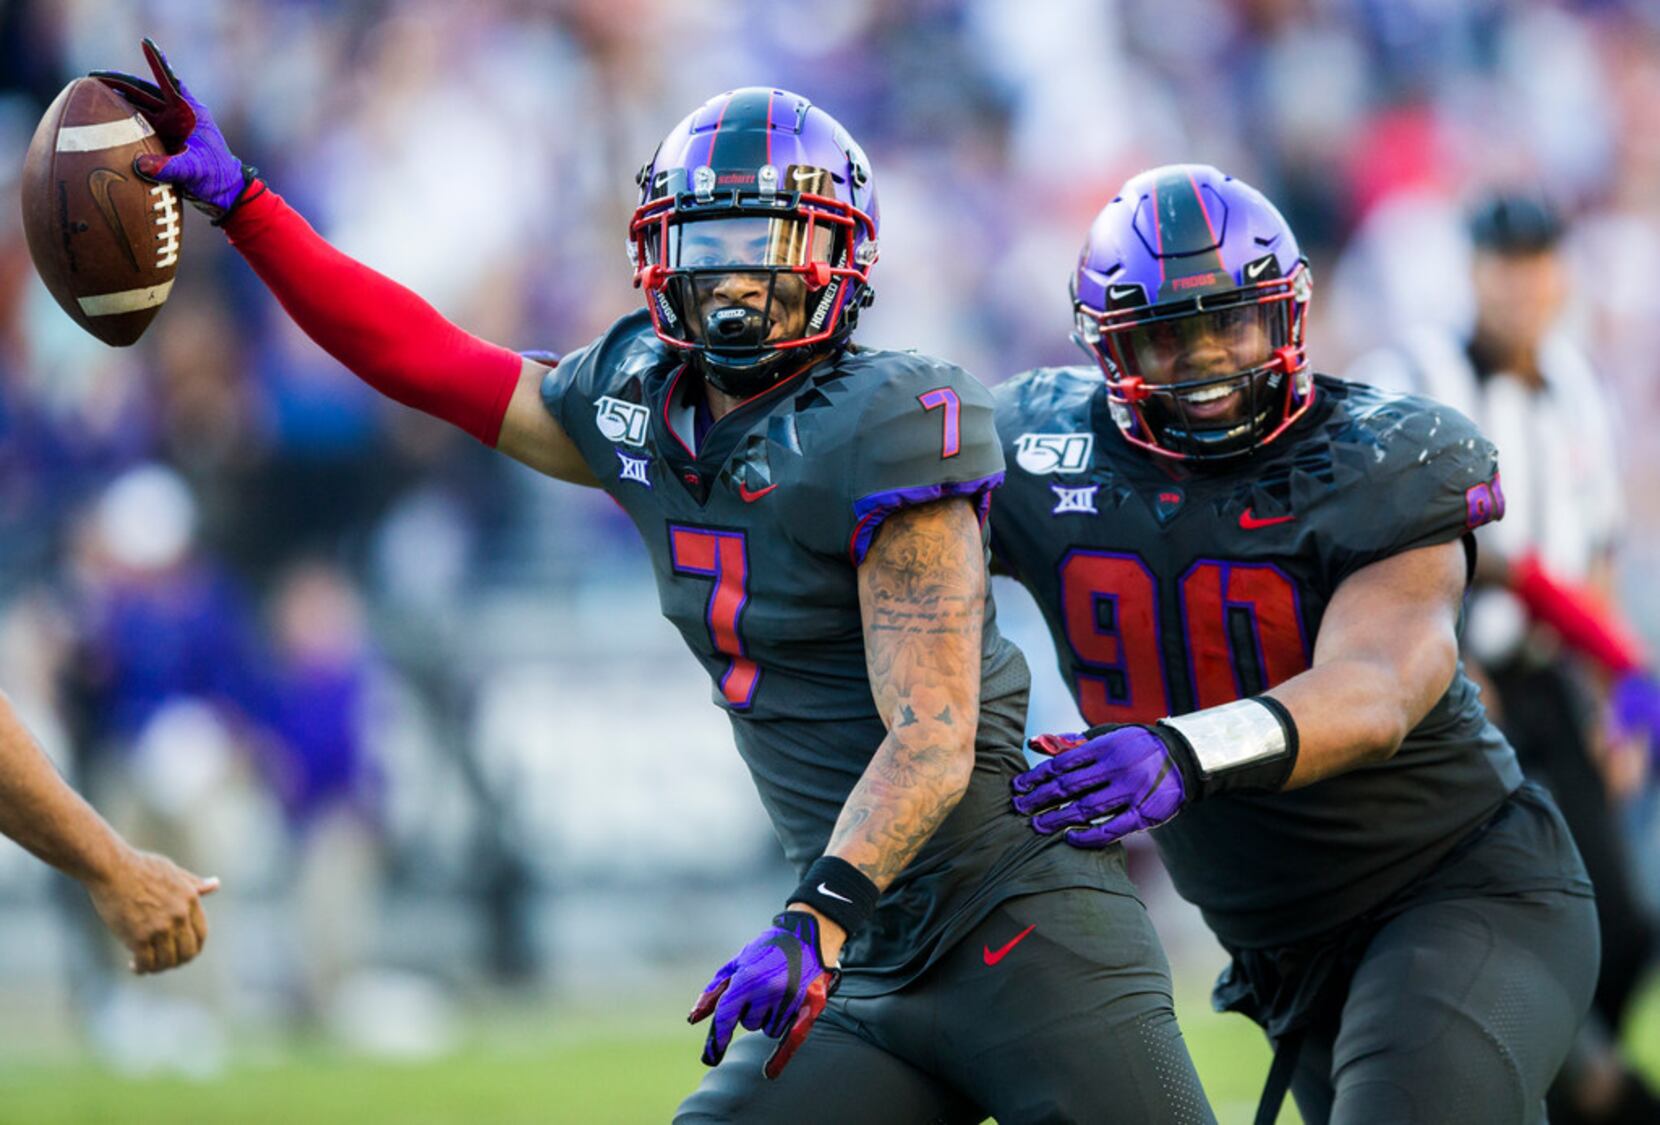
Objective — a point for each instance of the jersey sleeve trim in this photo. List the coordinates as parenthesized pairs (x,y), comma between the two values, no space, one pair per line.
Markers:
(870,511)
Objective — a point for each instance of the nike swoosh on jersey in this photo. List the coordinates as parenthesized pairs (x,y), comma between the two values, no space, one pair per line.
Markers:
(995,955)
(750,497)
(1251,522)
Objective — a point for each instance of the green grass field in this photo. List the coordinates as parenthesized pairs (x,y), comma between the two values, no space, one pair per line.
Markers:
(524,1066)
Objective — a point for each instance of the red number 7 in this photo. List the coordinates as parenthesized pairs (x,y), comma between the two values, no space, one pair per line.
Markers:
(722,556)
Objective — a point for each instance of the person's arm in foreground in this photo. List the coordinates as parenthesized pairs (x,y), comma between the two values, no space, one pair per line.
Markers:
(151,905)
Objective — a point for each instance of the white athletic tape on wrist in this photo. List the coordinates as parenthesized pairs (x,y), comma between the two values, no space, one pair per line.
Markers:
(1238,734)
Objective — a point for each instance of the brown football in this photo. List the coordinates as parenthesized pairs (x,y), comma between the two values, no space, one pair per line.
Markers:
(106,243)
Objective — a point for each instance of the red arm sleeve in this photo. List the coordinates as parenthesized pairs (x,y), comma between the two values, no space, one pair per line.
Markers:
(389,337)
(1585,625)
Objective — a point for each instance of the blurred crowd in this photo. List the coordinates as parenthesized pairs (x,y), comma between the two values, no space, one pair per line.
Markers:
(314,640)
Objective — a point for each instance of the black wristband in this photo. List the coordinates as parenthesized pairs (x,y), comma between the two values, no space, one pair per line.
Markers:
(839,891)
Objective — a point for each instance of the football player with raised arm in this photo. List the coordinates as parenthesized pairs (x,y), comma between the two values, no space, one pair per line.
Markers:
(814,513)
(1254,578)
(151,904)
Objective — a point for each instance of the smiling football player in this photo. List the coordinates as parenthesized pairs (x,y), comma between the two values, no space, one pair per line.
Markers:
(1254,578)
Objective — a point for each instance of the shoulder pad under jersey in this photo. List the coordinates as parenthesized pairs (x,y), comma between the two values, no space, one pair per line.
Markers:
(613,366)
(1406,472)
(906,429)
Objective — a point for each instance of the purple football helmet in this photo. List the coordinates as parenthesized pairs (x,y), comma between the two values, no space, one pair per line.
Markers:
(1192,295)
(755,235)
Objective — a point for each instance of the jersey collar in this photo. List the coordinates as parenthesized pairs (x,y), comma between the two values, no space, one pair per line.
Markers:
(696,464)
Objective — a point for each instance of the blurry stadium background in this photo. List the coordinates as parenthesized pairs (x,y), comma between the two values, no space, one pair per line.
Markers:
(481,835)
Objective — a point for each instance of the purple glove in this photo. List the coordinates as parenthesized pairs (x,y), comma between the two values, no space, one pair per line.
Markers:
(1121,780)
(1634,706)
(777,984)
(200,165)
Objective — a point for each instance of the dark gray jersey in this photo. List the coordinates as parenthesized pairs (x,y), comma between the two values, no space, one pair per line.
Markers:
(755,539)
(1169,588)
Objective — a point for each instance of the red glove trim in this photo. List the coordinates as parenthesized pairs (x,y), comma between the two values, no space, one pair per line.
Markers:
(389,337)
(1578,615)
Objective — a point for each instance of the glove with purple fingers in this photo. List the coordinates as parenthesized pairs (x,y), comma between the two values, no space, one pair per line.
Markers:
(777,984)
(199,163)
(1113,780)
(1105,784)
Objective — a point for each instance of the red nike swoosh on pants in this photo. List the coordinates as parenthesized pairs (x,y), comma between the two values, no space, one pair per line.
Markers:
(994,956)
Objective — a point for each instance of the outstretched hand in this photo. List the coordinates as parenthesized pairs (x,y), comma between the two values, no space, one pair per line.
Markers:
(198,161)
(153,907)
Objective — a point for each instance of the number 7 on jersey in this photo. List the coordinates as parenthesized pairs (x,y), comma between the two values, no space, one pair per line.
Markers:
(724,557)
(945,398)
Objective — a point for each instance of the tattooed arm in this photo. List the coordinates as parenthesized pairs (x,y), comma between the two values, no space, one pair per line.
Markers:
(922,592)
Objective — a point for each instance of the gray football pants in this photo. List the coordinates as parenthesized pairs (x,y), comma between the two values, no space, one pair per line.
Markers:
(1461,1010)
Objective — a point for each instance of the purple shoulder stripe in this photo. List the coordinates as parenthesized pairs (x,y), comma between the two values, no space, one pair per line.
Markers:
(870,511)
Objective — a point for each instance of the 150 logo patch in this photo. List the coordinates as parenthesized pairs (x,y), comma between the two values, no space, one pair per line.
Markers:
(621,421)
(1054,453)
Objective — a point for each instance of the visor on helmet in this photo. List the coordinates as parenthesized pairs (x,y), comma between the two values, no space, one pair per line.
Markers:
(787,262)
(1200,346)
(739,241)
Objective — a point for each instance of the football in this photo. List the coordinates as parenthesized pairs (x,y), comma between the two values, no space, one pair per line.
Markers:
(105,242)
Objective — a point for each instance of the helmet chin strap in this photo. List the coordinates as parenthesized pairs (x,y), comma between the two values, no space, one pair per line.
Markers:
(746,379)
(736,359)
(1186,436)
(739,380)
(1221,437)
